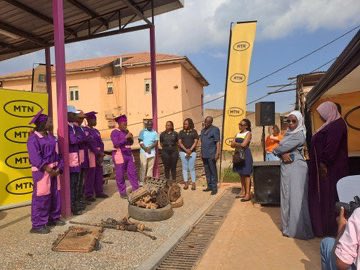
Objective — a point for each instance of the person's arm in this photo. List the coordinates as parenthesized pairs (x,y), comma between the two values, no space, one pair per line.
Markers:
(35,155)
(245,142)
(181,145)
(117,140)
(290,143)
(347,243)
(155,143)
(218,144)
(333,140)
(196,140)
(162,139)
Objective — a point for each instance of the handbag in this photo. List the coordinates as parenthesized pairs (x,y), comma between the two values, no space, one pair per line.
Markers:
(238,157)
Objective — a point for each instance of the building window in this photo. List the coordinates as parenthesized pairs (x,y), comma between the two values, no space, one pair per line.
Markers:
(74,93)
(109,87)
(41,78)
(147,86)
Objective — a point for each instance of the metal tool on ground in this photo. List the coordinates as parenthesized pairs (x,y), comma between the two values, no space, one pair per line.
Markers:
(123,225)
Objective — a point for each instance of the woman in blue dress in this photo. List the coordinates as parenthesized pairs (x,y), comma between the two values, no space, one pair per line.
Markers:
(242,140)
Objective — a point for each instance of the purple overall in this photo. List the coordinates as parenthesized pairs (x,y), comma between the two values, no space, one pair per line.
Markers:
(94,174)
(45,206)
(124,161)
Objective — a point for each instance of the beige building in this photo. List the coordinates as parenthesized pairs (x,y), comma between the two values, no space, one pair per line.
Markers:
(117,85)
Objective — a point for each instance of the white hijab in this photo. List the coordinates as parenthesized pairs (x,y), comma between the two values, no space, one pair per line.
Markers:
(301,125)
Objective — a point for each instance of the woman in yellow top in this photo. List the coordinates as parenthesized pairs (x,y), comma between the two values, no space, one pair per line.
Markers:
(271,142)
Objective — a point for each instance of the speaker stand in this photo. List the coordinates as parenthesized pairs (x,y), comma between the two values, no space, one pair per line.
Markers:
(263,142)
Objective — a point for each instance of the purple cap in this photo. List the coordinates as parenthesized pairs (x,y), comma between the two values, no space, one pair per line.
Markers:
(121,118)
(91,115)
(39,118)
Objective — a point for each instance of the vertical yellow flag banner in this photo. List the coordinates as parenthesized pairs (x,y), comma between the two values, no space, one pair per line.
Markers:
(240,48)
(17,108)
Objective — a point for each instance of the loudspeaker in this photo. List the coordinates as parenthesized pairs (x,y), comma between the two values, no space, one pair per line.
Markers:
(265,113)
(266,177)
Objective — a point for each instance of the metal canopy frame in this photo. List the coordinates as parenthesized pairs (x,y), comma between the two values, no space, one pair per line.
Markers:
(83,20)
(67,21)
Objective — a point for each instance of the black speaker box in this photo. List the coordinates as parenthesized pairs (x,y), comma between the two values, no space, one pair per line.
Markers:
(266,178)
(265,113)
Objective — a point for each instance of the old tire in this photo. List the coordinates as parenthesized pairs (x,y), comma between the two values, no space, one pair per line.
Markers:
(178,203)
(143,214)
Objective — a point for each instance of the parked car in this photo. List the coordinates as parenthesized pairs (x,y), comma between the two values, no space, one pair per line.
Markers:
(108,166)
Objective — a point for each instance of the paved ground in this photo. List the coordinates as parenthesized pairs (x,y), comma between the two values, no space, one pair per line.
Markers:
(250,239)
(119,250)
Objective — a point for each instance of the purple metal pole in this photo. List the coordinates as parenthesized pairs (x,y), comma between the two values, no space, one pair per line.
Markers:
(48,80)
(58,17)
(154,92)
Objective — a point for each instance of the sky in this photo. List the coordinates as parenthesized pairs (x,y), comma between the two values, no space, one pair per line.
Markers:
(286,31)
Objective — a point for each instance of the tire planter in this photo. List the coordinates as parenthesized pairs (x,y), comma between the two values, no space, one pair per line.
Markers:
(178,203)
(144,214)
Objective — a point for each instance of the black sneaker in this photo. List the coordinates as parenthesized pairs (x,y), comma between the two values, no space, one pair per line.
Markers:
(214,192)
(207,189)
(90,199)
(103,196)
(58,222)
(41,230)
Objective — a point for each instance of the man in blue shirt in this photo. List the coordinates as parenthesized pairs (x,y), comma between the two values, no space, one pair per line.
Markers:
(148,140)
(210,153)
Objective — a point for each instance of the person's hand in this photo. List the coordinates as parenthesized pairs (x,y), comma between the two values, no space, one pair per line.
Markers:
(148,150)
(188,152)
(54,173)
(233,144)
(217,156)
(129,135)
(341,220)
(323,170)
(286,158)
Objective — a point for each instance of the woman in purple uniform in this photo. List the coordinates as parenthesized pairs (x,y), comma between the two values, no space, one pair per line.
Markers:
(94,175)
(46,166)
(122,155)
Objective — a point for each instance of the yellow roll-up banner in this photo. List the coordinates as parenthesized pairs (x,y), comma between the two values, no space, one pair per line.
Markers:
(242,35)
(17,108)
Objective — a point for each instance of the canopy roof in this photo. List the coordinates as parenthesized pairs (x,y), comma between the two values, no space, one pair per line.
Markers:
(342,77)
(27,25)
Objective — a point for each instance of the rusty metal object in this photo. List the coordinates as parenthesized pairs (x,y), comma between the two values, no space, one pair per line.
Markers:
(162,198)
(156,193)
(174,192)
(123,225)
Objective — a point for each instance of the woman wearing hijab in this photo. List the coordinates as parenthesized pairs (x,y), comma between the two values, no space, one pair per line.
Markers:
(328,164)
(295,219)
(46,166)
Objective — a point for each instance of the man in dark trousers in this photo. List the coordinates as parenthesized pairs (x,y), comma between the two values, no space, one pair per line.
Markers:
(210,153)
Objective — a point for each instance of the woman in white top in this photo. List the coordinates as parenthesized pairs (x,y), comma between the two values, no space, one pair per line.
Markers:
(242,140)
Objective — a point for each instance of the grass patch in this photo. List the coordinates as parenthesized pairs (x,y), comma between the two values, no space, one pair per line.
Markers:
(229,176)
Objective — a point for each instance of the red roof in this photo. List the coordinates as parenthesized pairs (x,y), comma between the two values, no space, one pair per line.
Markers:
(128,60)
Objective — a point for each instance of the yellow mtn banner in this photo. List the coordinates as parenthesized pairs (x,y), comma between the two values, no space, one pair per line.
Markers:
(17,110)
(242,37)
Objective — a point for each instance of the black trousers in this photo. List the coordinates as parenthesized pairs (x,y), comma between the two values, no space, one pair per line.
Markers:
(211,173)
(170,159)
(74,184)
